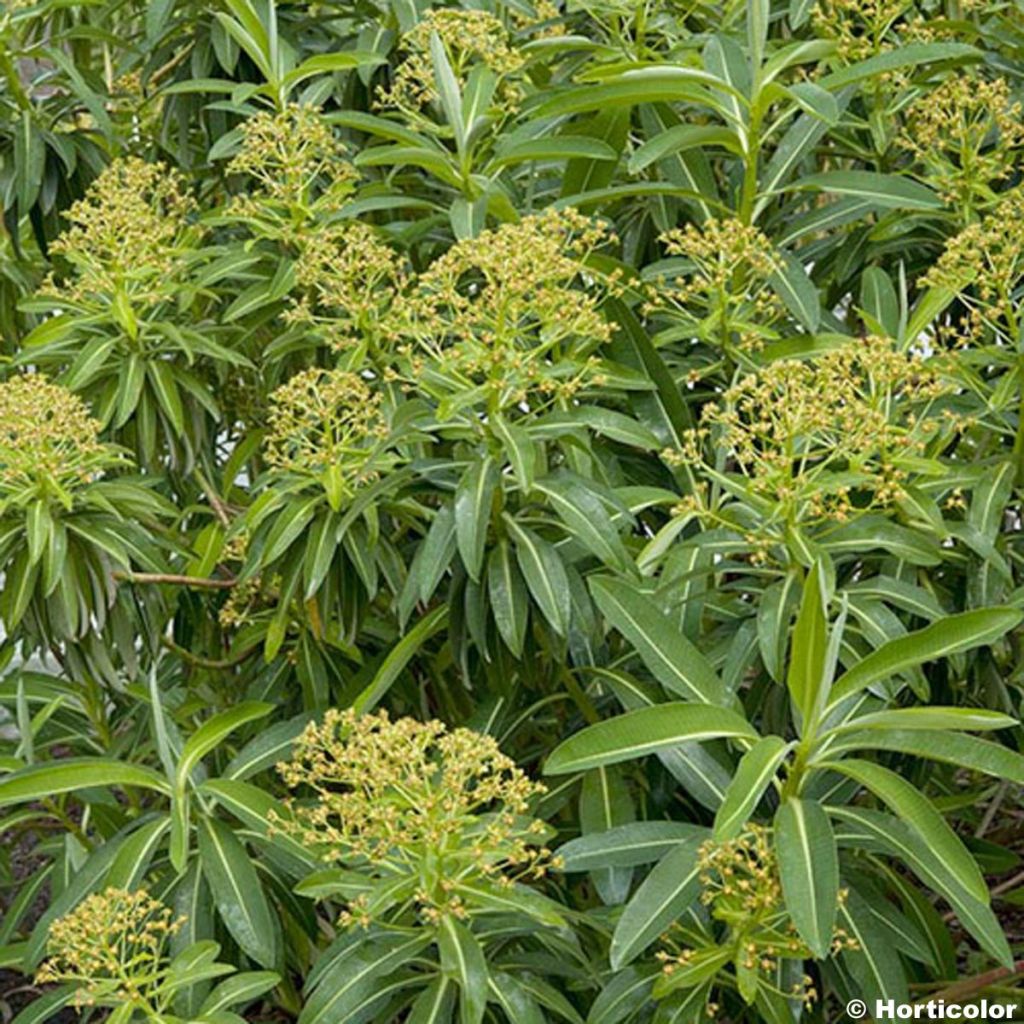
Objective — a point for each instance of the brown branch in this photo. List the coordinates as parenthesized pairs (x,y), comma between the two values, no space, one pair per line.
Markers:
(970,987)
(178,579)
(200,662)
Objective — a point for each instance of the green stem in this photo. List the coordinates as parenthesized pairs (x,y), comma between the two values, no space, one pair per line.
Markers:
(10,72)
(748,194)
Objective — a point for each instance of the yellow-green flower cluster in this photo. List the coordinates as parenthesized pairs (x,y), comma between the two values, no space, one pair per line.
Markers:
(470,38)
(351,281)
(445,807)
(984,265)
(511,317)
(298,167)
(130,234)
(328,425)
(723,289)
(826,439)
(966,133)
(49,442)
(742,888)
(112,946)
(859,28)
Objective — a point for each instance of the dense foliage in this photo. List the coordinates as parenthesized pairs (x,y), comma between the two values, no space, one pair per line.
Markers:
(512,512)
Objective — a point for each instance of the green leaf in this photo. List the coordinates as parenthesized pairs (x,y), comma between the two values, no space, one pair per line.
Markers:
(47,1006)
(774,613)
(512,899)
(797,291)
(434,1004)
(129,866)
(242,988)
(678,139)
(939,640)
(875,964)
(473,499)
(289,524)
(968,752)
(886,190)
(671,887)
(805,679)
(670,657)
(462,959)
(73,773)
(645,731)
(605,803)
(920,814)
(648,86)
(237,892)
(329,63)
(930,718)
(754,774)
(906,56)
(213,731)
(640,842)
(809,870)
(895,836)
(399,656)
(586,517)
(447,86)
(29,161)
(509,601)
(558,147)
(544,574)
(348,979)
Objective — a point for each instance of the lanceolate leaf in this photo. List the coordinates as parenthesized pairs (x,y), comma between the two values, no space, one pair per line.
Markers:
(809,869)
(939,640)
(237,892)
(673,660)
(462,959)
(668,891)
(805,679)
(639,842)
(754,775)
(920,814)
(70,774)
(646,731)
(544,573)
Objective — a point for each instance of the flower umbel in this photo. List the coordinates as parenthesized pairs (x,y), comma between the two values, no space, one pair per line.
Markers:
(722,290)
(298,167)
(827,439)
(112,945)
(327,425)
(130,234)
(966,133)
(511,317)
(351,281)
(470,38)
(446,808)
(742,889)
(49,442)
(984,265)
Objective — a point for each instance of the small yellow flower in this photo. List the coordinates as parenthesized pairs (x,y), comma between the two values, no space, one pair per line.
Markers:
(511,317)
(966,133)
(829,438)
(724,287)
